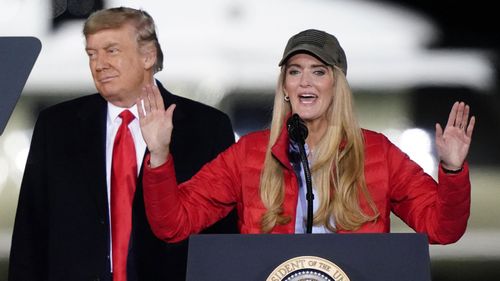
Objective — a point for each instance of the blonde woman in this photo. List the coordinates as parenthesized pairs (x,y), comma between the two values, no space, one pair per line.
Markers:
(358,176)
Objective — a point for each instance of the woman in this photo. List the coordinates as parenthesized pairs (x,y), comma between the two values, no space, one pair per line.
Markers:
(358,176)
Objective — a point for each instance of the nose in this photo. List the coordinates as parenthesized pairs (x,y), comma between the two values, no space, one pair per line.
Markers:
(305,80)
(101,63)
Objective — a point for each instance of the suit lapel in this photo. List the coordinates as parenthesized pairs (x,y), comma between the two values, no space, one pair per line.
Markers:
(178,118)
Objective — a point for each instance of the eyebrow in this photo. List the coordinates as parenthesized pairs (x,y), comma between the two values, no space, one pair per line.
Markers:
(109,45)
(319,65)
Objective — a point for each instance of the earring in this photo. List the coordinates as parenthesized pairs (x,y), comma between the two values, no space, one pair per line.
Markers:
(286,98)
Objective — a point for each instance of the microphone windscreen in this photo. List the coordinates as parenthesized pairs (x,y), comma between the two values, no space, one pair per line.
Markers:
(297,130)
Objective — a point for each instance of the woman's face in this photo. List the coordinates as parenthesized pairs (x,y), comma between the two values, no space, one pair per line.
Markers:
(309,84)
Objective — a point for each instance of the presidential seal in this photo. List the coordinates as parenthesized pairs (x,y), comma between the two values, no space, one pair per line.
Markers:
(307,268)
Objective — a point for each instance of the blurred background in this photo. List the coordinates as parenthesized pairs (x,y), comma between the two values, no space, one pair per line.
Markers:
(408,62)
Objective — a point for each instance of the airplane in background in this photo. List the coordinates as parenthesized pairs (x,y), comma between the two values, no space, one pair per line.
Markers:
(214,47)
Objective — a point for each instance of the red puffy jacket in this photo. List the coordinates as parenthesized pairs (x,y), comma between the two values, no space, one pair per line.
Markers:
(395,183)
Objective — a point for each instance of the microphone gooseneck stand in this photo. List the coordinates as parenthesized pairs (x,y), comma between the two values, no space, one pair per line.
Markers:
(297,131)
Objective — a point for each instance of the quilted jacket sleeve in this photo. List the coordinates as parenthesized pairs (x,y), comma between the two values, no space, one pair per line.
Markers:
(440,210)
(176,211)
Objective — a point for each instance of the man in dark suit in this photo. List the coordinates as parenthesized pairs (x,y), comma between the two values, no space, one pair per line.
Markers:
(63,222)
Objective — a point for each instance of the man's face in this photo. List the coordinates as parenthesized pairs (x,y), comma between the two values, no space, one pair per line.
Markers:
(118,67)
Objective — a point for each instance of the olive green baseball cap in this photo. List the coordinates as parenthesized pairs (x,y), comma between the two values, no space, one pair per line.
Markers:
(318,43)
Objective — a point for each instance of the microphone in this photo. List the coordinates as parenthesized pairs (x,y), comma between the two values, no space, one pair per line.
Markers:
(297,131)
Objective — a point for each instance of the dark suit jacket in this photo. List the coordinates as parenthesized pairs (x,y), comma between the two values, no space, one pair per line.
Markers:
(61,230)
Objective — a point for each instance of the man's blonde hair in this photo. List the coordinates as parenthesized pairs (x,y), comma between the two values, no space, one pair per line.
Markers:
(117,17)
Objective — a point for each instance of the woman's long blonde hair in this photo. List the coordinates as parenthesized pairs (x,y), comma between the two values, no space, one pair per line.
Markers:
(337,170)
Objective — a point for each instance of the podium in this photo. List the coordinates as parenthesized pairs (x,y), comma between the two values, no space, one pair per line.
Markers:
(17,57)
(277,257)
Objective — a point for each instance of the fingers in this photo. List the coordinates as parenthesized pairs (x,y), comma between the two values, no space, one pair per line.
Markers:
(439,131)
(459,116)
(453,115)
(465,118)
(158,98)
(170,111)
(140,108)
(146,103)
(154,97)
(470,128)
(462,116)
(151,100)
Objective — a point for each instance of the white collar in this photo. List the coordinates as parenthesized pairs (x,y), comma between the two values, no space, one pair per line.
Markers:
(114,111)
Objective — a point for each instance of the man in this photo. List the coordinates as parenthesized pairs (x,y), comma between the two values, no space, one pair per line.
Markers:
(65,223)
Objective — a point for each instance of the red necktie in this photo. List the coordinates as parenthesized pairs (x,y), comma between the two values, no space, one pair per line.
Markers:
(123,183)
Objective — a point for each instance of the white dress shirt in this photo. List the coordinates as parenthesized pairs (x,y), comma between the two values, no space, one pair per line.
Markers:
(113,122)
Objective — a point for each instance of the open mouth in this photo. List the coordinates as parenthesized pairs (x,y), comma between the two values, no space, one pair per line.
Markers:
(307,98)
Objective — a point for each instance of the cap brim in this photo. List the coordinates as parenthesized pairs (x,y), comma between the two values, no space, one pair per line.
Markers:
(308,49)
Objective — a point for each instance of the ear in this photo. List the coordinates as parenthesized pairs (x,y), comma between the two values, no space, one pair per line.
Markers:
(149,56)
